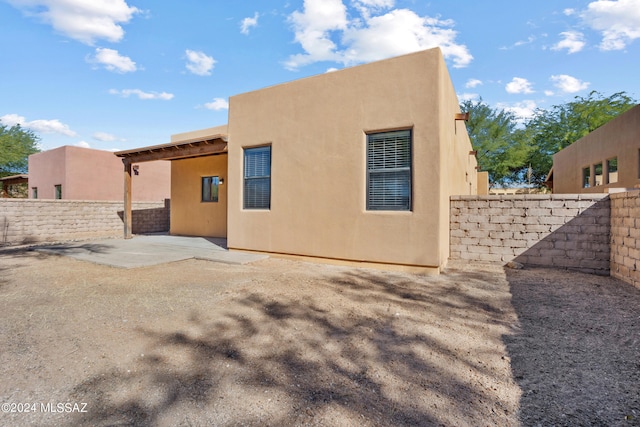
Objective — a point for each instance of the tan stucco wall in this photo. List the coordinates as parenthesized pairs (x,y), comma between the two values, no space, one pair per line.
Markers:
(619,138)
(317,129)
(88,174)
(458,174)
(200,134)
(189,215)
(483,183)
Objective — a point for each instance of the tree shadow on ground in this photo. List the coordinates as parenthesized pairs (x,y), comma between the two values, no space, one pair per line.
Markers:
(576,356)
(366,358)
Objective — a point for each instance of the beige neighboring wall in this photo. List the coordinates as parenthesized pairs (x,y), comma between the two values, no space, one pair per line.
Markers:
(483,183)
(200,134)
(317,130)
(88,174)
(190,216)
(618,138)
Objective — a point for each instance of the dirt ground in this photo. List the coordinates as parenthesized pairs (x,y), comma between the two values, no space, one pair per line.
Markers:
(279,343)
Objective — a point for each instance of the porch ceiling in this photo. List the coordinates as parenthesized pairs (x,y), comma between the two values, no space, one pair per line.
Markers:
(215,144)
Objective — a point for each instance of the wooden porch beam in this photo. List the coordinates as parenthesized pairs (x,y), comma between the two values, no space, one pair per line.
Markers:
(127,199)
(181,152)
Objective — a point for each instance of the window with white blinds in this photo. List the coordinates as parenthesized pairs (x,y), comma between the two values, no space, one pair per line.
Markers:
(257,178)
(389,171)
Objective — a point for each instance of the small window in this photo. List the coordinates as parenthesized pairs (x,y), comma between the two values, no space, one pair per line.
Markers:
(34,192)
(210,188)
(257,178)
(586,177)
(612,170)
(58,192)
(598,174)
(389,171)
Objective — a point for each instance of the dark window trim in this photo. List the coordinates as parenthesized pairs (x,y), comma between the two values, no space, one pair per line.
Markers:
(250,181)
(390,169)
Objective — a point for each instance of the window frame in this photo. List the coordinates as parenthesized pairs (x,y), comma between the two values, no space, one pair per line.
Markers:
(57,191)
(609,162)
(212,198)
(586,177)
(397,176)
(598,178)
(249,180)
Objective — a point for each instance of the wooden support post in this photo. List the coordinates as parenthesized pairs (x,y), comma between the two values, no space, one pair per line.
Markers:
(127,198)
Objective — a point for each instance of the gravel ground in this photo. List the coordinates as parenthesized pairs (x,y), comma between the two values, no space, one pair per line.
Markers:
(277,342)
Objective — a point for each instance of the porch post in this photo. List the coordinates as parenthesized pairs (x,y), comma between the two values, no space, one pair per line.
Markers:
(127,198)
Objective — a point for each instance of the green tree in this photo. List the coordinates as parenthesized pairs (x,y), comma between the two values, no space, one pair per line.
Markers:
(16,144)
(549,131)
(500,144)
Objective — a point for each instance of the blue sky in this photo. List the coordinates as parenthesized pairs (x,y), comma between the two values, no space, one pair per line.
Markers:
(120,74)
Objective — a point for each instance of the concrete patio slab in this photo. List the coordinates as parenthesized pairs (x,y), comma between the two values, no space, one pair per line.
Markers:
(142,251)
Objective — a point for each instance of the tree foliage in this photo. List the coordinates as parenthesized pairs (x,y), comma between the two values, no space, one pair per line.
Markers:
(16,144)
(500,145)
(507,150)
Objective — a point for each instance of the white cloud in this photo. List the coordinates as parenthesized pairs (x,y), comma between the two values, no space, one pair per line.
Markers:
(113,61)
(569,12)
(82,20)
(217,104)
(471,83)
(125,93)
(199,63)
(104,137)
(468,96)
(248,23)
(327,31)
(519,85)
(573,41)
(568,84)
(41,126)
(367,7)
(521,110)
(617,20)
(312,30)
(529,40)
(83,144)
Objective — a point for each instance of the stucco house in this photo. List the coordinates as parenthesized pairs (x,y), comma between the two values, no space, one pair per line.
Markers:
(77,173)
(605,160)
(354,166)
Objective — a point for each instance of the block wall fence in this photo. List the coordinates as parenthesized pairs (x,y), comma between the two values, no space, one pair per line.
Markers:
(562,231)
(625,237)
(24,221)
(591,233)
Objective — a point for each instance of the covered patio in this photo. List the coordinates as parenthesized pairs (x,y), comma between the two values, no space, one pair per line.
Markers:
(200,146)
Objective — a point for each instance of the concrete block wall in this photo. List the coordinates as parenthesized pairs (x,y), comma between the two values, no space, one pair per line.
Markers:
(563,231)
(25,221)
(625,237)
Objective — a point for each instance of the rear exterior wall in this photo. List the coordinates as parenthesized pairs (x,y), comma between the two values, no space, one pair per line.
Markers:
(190,216)
(317,130)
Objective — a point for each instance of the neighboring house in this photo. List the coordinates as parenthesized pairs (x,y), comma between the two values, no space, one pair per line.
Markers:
(606,160)
(76,173)
(353,166)
(14,186)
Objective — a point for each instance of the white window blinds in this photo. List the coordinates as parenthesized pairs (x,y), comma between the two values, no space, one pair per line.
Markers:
(389,170)
(257,178)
